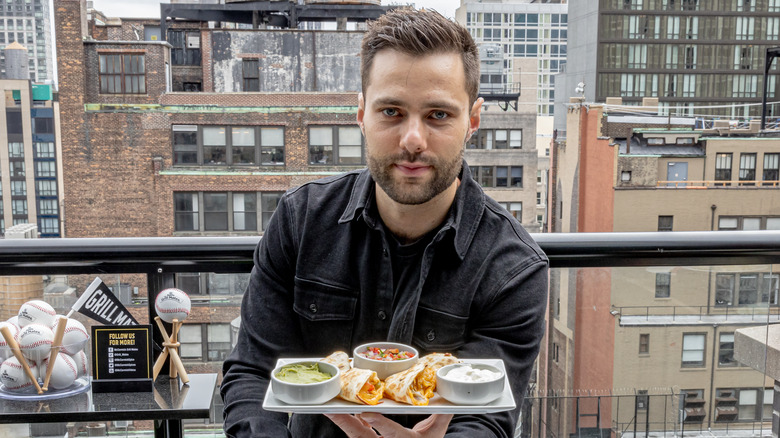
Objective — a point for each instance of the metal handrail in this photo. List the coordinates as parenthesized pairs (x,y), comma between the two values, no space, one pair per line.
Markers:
(234,254)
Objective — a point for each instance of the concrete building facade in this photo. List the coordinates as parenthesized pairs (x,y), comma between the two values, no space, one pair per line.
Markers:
(698,58)
(27,22)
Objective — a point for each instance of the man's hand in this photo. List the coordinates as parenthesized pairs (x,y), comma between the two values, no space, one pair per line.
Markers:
(363,426)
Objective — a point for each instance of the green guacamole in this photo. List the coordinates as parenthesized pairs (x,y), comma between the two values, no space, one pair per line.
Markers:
(302,373)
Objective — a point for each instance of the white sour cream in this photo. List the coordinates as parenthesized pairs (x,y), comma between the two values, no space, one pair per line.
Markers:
(466,373)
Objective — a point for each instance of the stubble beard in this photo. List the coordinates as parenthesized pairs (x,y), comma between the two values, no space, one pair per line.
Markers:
(413,191)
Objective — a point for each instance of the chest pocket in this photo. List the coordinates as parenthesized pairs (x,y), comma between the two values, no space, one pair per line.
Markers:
(326,314)
(437,331)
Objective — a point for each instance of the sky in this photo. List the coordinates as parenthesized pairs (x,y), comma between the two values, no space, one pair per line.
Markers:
(151,8)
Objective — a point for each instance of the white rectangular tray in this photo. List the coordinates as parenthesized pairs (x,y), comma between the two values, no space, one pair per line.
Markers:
(437,405)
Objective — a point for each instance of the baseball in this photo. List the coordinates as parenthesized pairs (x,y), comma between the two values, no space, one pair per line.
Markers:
(74,337)
(12,375)
(35,341)
(5,350)
(36,312)
(82,366)
(64,373)
(172,304)
(15,321)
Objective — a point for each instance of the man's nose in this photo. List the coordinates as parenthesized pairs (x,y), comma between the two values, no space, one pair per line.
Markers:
(413,138)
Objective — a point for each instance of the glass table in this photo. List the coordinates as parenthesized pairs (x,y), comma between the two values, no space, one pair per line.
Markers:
(168,403)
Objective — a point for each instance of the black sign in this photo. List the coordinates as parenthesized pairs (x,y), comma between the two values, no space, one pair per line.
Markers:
(122,358)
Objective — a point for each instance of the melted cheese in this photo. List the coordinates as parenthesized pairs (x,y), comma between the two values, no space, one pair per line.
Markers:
(371,392)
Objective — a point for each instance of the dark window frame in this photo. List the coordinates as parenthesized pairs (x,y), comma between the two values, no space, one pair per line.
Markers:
(189,150)
(114,66)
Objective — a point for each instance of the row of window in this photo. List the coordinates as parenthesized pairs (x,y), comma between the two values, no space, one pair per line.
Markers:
(744,289)
(657,27)
(684,85)
(520,35)
(747,168)
(684,56)
(328,145)
(496,19)
(695,5)
(223,211)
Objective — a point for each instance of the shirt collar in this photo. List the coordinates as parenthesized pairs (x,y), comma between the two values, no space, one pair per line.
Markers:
(463,217)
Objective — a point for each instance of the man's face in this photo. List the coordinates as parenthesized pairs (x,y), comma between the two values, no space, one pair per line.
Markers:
(416,117)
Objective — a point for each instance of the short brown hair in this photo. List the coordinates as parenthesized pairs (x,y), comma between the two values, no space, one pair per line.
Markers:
(417,33)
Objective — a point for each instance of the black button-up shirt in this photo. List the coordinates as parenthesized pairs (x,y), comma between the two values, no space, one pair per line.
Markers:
(322,282)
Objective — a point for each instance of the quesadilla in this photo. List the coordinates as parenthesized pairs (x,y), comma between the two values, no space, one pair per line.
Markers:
(413,386)
(438,360)
(357,385)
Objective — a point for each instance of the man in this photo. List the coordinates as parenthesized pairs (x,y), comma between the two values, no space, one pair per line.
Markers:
(410,250)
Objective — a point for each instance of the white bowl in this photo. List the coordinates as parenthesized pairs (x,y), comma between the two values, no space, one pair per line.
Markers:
(307,393)
(469,392)
(384,368)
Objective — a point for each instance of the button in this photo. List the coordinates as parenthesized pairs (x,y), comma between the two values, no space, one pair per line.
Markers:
(382,315)
(384,252)
(431,335)
(313,308)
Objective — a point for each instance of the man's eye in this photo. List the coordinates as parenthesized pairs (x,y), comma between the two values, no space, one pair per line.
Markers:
(390,112)
(439,115)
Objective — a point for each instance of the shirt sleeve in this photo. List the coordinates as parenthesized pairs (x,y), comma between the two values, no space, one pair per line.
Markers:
(267,299)
(510,326)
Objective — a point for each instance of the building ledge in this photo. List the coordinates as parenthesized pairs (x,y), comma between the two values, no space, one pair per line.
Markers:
(759,348)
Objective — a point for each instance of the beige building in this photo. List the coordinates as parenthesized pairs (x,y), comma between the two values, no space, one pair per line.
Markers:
(659,341)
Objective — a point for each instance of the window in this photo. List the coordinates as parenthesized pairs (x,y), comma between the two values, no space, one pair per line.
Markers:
(498,176)
(724,289)
(222,211)
(46,150)
(726,350)
(745,28)
(191,342)
(209,145)
(16,149)
(245,211)
(269,202)
(771,169)
(723,168)
(122,74)
(46,187)
(747,169)
(47,206)
(185,48)
(49,226)
(693,349)
(747,223)
(186,211)
(515,208)
(335,145)
(665,223)
(251,73)
(644,343)
(215,211)
(496,139)
(663,282)
(43,125)
(748,289)
(45,169)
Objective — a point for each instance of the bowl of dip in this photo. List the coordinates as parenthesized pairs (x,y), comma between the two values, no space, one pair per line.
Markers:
(386,358)
(306,382)
(470,383)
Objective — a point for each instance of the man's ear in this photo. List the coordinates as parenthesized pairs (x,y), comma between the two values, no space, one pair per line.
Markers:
(361,112)
(474,116)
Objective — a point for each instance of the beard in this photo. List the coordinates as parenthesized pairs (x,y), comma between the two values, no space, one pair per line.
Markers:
(413,191)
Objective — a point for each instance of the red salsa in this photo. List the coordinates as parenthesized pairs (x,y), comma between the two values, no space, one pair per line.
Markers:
(386,354)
